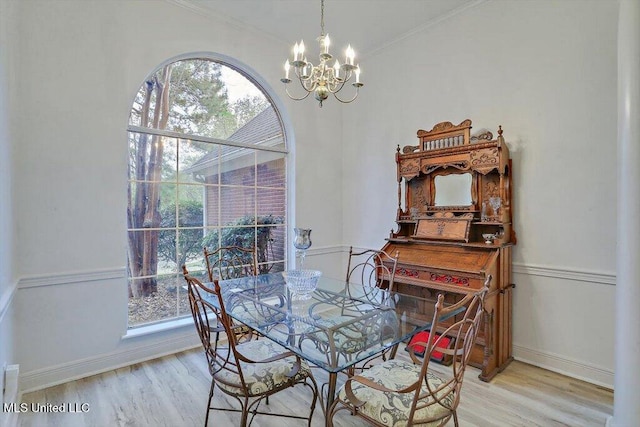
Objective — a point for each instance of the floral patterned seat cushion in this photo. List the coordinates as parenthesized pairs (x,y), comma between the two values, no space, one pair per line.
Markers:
(261,377)
(392,409)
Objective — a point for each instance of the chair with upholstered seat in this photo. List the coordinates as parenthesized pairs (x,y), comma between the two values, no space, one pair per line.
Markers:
(251,371)
(368,271)
(373,269)
(398,392)
(231,262)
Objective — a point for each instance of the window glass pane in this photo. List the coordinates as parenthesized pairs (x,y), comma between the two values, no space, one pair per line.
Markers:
(238,166)
(168,251)
(167,202)
(198,162)
(270,202)
(211,213)
(189,248)
(146,151)
(162,304)
(240,234)
(271,240)
(271,171)
(238,204)
(145,263)
(262,129)
(191,208)
(272,267)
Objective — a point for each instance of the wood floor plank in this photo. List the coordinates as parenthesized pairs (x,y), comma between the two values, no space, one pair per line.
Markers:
(172,391)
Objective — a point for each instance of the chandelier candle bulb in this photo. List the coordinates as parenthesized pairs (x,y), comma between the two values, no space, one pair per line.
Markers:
(325,44)
(287,66)
(301,47)
(349,55)
(357,71)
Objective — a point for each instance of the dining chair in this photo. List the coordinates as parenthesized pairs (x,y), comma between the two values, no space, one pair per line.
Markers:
(231,262)
(398,392)
(250,371)
(373,269)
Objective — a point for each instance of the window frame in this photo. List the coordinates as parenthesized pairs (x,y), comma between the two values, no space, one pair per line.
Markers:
(288,153)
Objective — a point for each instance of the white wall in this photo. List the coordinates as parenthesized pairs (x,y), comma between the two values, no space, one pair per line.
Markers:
(546,72)
(7,275)
(80,64)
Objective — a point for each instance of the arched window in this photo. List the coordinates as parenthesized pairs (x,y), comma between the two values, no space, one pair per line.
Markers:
(207,167)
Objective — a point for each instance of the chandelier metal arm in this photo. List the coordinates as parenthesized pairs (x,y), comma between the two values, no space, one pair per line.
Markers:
(335,95)
(286,89)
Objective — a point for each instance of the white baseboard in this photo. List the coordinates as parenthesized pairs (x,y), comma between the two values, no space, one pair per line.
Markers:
(562,365)
(54,375)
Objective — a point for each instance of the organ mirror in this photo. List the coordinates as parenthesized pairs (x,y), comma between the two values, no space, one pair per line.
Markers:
(453,190)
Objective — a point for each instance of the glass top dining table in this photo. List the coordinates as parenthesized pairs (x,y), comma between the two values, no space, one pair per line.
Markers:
(337,326)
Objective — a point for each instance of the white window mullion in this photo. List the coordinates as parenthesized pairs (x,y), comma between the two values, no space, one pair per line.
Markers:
(206,139)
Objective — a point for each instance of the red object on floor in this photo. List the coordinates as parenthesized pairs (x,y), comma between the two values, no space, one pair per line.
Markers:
(423,337)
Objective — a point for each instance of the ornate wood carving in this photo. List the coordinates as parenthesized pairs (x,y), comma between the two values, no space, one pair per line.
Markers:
(483,136)
(407,272)
(485,160)
(444,226)
(410,148)
(444,126)
(447,278)
(462,165)
(419,198)
(410,168)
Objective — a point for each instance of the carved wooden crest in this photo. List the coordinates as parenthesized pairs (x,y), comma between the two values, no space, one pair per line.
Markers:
(484,160)
(410,168)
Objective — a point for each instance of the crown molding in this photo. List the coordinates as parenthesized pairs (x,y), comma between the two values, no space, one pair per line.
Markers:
(425,26)
(237,24)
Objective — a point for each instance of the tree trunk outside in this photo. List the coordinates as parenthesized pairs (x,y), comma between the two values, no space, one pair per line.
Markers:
(144,212)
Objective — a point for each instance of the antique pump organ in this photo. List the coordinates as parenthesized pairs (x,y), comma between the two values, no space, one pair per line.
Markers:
(455,228)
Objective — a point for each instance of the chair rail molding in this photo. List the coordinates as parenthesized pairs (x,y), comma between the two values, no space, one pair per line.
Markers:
(71,277)
(565,273)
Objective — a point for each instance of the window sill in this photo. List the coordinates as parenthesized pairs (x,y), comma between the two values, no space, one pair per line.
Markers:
(155,328)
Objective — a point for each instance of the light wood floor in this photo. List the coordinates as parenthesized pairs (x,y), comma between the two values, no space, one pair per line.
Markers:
(173,390)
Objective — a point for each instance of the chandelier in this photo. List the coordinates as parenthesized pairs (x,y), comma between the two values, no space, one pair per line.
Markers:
(322,79)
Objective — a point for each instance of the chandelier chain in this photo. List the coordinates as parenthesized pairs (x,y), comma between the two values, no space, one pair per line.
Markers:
(321,18)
